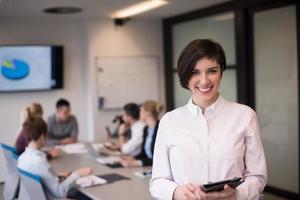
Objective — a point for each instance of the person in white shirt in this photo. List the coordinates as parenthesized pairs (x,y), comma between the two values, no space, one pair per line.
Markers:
(34,160)
(209,139)
(149,114)
(135,127)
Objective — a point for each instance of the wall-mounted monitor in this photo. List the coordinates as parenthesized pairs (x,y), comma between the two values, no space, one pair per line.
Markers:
(31,68)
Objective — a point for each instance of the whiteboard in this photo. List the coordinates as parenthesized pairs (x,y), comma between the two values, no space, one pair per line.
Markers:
(121,80)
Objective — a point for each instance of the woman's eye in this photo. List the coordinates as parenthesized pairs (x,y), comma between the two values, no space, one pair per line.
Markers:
(212,71)
(195,72)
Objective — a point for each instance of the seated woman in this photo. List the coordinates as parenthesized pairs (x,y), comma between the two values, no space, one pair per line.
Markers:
(34,110)
(149,114)
(34,161)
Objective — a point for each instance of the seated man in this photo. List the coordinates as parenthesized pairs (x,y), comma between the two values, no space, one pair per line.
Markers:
(62,126)
(133,145)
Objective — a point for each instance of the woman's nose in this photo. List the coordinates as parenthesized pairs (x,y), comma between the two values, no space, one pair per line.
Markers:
(204,79)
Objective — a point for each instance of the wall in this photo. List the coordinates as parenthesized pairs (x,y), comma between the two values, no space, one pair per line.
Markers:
(276,70)
(137,38)
(83,41)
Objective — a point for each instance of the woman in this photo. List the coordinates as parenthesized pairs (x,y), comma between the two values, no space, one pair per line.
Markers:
(34,161)
(209,139)
(34,110)
(149,114)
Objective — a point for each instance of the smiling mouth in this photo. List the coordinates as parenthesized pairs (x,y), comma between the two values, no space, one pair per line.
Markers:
(205,90)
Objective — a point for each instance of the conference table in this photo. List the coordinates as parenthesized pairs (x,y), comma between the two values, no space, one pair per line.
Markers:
(134,188)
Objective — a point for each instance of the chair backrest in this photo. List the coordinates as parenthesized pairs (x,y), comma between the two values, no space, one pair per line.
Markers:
(12,178)
(30,186)
(11,157)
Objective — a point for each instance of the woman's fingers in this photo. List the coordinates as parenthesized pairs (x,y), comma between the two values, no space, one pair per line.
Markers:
(189,194)
(184,193)
(191,191)
(195,189)
(191,187)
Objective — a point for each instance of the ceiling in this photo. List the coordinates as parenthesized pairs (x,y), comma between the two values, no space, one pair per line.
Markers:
(97,8)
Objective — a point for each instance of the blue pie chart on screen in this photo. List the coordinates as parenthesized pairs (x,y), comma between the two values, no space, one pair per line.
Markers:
(15,69)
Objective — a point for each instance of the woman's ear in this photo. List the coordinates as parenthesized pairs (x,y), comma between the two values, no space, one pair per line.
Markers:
(42,139)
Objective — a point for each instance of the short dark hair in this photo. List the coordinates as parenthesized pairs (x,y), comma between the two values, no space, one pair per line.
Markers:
(34,128)
(133,110)
(62,102)
(193,52)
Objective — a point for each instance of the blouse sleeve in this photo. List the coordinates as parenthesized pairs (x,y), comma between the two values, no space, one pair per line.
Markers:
(162,185)
(51,182)
(255,174)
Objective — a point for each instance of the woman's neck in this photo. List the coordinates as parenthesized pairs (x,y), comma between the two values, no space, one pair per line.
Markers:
(204,104)
(151,122)
(34,145)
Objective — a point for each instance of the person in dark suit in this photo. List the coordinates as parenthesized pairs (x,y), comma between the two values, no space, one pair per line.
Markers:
(149,114)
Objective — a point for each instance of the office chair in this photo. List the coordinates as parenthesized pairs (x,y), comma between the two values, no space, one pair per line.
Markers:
(30,186)
(12,179)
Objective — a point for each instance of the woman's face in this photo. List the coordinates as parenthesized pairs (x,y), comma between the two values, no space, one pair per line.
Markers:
(143,114)
(204,82)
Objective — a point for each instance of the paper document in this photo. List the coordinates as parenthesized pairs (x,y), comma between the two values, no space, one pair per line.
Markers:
(97,146)
(89,181)
(74,148)
(108,160)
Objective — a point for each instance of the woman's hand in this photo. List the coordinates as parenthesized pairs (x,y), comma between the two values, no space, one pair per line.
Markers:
(187,192)
(53,152)
(227,194)
(130,162)
(84,171)
(127,157)
(64,174)
(191,191)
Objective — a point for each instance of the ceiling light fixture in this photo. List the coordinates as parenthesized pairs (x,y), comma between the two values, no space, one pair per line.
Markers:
(138,8)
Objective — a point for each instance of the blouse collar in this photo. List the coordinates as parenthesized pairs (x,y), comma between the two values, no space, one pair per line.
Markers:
(210,111)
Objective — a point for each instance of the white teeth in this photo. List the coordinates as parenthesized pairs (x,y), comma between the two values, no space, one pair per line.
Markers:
(204,89)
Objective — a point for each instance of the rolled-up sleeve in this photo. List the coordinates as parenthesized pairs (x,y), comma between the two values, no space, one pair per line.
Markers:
(255,174)
(162,185)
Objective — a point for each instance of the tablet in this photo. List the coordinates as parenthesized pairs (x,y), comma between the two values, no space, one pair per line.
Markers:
(219,186)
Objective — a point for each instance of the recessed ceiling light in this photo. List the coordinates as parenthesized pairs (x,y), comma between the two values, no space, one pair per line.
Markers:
(138,8)
(63,10)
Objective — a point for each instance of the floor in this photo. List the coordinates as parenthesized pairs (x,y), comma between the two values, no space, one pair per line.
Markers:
(266,195)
